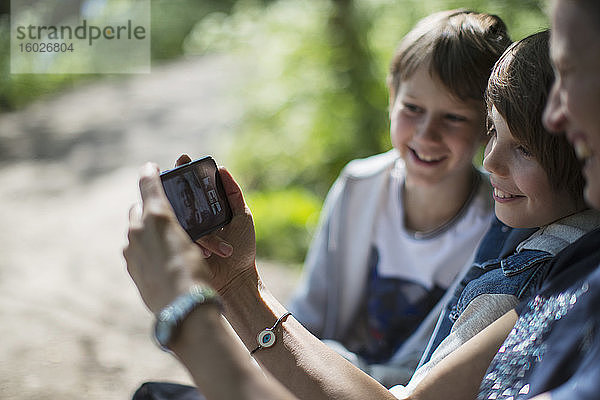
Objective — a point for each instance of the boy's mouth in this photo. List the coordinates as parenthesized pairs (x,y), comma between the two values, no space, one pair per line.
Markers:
(426,158)
(502,196)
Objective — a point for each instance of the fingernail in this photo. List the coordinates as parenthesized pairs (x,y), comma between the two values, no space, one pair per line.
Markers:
(226,249)
(149,169)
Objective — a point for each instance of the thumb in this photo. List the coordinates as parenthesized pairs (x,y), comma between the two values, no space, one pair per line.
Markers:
(153,194)
(233,192)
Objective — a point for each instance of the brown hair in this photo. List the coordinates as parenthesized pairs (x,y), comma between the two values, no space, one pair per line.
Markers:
(518,87)
(460,47)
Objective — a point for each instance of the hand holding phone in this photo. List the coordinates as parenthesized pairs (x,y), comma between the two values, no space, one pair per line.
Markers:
(196,194)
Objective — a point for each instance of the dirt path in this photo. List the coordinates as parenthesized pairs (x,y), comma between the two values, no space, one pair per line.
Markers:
(73,325)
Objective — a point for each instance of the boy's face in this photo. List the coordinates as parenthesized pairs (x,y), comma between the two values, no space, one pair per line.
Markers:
(436,134)
(574,103)
(522,192)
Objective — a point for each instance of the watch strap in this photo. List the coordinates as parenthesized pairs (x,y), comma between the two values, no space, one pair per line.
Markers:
(170,318)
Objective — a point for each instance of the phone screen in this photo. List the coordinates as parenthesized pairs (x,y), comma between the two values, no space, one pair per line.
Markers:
(197,196)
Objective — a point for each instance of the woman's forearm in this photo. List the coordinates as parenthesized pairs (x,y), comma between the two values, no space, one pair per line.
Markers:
(218,363)
(459,375)
(306,366)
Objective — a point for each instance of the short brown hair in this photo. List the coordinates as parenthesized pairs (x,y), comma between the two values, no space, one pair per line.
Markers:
(460,47)
(518,87)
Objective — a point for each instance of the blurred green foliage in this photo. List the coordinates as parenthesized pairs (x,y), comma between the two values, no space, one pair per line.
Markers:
(315,95)
(284,221)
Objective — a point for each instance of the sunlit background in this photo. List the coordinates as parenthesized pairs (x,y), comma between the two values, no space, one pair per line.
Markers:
(283,93)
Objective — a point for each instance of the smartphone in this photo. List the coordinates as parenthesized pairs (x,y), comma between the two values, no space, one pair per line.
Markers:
(196,193)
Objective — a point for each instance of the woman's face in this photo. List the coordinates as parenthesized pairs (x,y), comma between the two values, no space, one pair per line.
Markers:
(574,103)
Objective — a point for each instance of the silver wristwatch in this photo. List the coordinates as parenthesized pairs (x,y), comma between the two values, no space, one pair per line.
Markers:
(169,320)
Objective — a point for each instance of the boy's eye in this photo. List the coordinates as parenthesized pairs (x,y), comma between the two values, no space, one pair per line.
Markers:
(526,153)
(412,108)
(455,118)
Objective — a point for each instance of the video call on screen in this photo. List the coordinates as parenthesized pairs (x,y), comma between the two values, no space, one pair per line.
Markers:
(193,195)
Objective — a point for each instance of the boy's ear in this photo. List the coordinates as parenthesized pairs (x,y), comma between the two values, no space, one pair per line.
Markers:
(391,100)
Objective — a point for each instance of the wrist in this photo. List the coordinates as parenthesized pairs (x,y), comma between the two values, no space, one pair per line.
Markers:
(247,281)
(171,318)
(250,309)
(268,336)
(201,326)
(217,362)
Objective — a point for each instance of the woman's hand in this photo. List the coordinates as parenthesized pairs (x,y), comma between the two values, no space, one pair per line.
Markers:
(212,243)
(237,266)
(161,259)
(161,253)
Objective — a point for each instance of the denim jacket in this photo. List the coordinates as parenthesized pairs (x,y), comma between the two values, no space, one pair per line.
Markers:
(513,274)
(516,275)
(499,241)
(491,288)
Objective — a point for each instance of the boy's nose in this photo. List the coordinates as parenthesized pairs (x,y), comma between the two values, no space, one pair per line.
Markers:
(554,117)
(428,130)
(494,161)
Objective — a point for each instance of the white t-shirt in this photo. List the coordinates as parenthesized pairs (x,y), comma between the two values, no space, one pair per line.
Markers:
(434,259)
